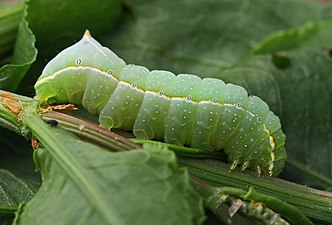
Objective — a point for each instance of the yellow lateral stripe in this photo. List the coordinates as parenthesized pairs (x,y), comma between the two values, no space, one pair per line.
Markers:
(105,73)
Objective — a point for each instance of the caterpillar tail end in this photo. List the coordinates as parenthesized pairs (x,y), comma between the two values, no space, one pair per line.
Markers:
(87,33)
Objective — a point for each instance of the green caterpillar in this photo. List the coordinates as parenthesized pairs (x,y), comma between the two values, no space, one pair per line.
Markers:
(183,110)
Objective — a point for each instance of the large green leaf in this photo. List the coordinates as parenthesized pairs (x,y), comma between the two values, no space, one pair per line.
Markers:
(13,191)
(16,153)
(309,35)
(24,55)
(92,186)
(10,16)
(204,37)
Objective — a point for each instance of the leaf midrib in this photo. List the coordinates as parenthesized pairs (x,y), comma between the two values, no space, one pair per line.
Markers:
(71,166)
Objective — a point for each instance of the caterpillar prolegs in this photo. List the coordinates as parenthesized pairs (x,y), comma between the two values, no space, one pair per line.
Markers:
(182,110)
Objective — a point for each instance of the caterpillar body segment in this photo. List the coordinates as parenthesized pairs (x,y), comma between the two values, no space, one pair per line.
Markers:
(183,109)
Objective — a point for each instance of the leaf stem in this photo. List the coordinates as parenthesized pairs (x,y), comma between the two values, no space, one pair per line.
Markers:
(91,131)
(315,204)
(292,164)
(69,163)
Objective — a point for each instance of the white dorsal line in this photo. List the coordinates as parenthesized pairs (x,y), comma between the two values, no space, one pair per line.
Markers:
(75,68)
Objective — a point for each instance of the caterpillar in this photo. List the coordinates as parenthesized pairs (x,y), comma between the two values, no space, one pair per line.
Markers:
(184,110)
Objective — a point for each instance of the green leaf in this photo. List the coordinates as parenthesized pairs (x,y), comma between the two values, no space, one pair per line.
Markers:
(13,191)
(309,35)
(133,187)
(204,37)
(10,16)
(24,55)
(52,21)
(16,154)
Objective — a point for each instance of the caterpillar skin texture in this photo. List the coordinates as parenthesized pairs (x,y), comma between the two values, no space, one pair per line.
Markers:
(183,109)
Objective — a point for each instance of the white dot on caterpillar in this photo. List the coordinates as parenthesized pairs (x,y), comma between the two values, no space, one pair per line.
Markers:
(78,61)
(173,128)
(245,146)
(184,117)
(210,120)
(143,121)
(126,102)
(101,86)
(157,111)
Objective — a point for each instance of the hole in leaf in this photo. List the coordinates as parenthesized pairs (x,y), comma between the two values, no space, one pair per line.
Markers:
(330,52)
(282,62)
